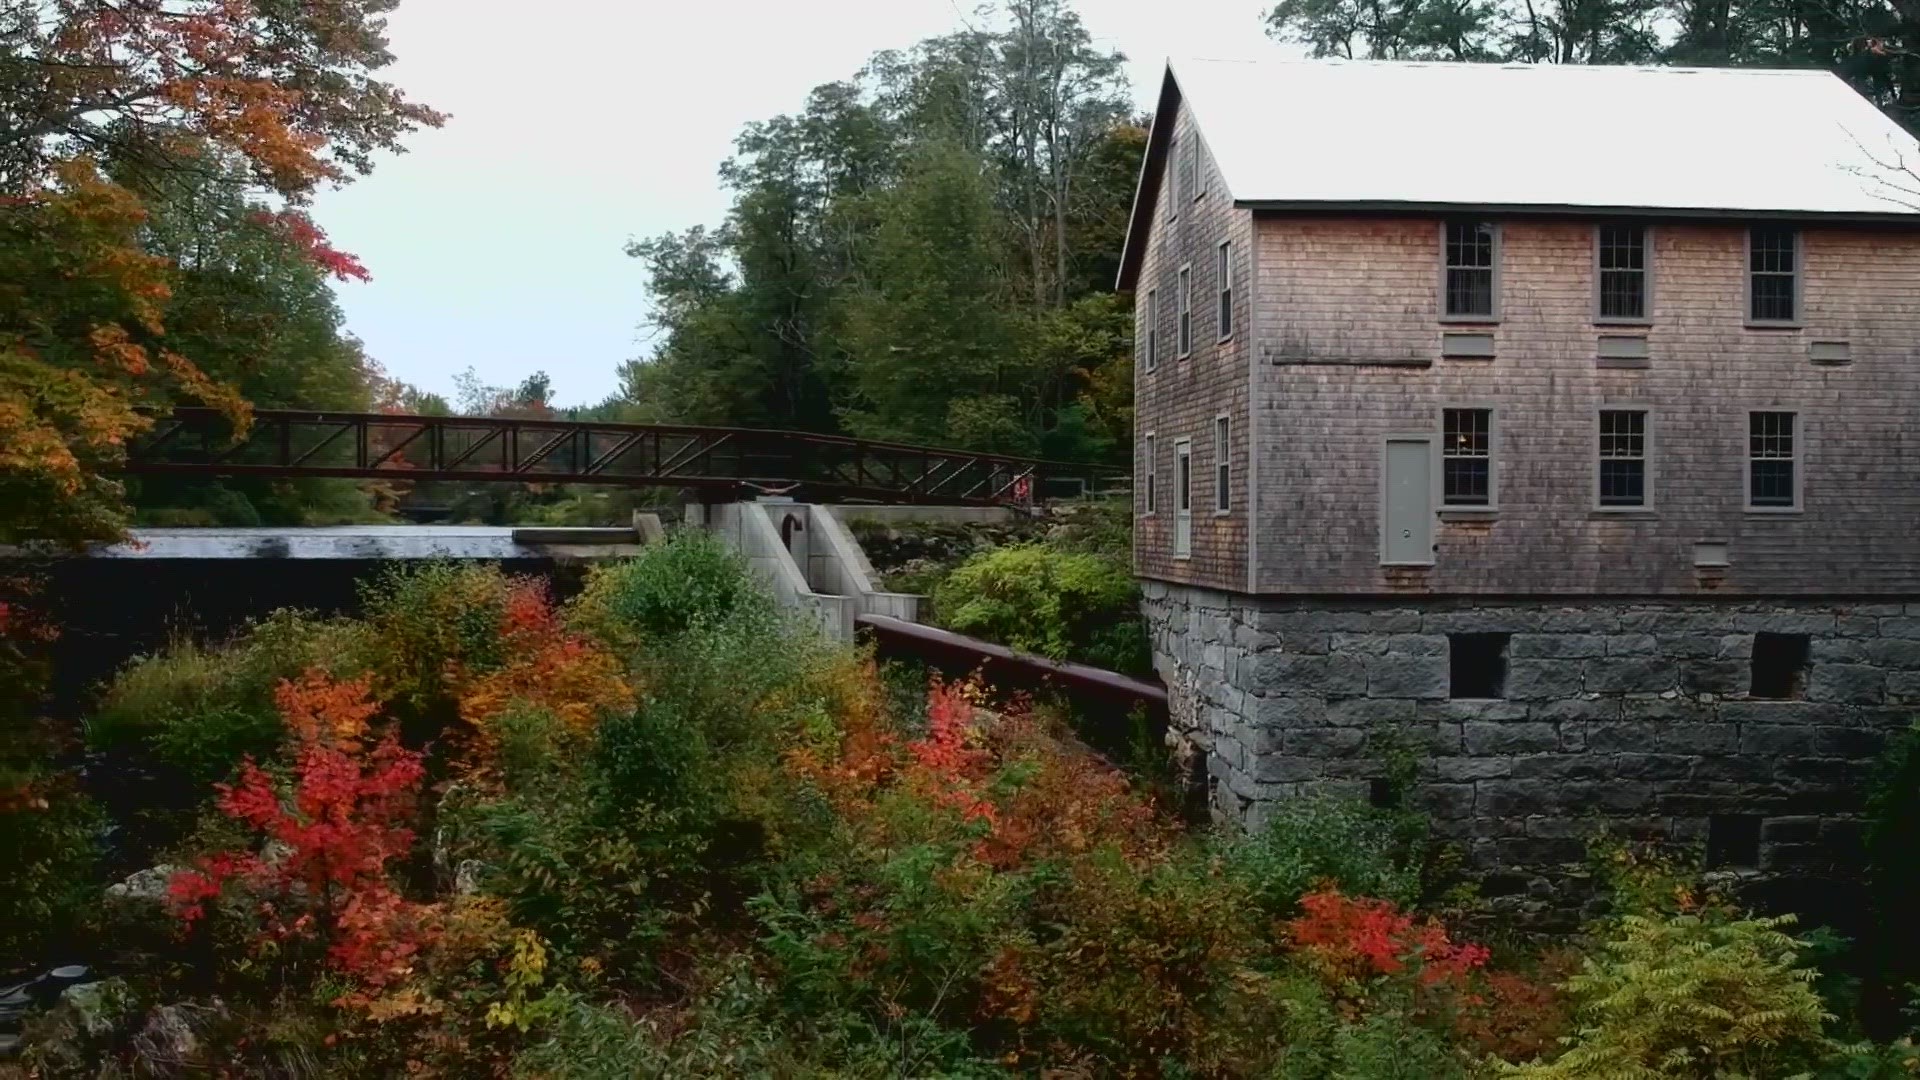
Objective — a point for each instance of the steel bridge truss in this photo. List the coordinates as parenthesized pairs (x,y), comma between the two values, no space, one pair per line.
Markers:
(720,462)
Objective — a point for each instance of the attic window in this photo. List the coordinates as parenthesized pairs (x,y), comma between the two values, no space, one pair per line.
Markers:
(1174,188)
(1190,182)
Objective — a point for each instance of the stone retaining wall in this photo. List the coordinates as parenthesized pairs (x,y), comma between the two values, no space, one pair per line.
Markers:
(1633,713)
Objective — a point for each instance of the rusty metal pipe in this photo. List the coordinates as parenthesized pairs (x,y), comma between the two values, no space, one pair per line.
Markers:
(1005,668)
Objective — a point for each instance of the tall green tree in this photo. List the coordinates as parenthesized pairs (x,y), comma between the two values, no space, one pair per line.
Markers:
(934,345)
(253,306)
(817,303)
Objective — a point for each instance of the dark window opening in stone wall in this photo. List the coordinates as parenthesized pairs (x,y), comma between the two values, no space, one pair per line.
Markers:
(1383,794)
(1779,665)
(1733,841)
(1477,665)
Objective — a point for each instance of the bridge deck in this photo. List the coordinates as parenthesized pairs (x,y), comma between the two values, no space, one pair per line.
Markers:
(727,462)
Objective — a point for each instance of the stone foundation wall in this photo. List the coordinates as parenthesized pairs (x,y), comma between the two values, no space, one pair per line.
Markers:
(1633,713)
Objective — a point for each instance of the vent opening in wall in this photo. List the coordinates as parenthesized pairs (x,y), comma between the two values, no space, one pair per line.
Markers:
(1383,794)
(1779,665)
(1477,665)
(1733,842)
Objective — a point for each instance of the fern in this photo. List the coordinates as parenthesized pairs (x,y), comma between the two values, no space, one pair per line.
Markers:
(1695,994)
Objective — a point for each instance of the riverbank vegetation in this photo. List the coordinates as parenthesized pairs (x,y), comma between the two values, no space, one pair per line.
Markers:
(662,830)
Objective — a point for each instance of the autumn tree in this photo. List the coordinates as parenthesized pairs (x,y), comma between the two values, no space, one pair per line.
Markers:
(100,100)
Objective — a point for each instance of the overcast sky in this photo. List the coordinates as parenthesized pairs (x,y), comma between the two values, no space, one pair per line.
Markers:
(496,242)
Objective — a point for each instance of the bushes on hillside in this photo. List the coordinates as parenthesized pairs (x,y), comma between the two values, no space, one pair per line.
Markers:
(676,833)
(1067,605)
(201,710)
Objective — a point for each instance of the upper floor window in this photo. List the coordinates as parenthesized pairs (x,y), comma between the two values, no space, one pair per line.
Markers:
(1623,458)
(1773,481)
(1223,273)
(1222,466)
(1471,253)
(1186,311)
(1153,330)
(1773,272)
(1191,183)
(1146,449)
(1622,253)
(1466,457)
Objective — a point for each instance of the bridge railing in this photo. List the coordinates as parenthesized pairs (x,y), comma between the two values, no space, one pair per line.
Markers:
(289,443)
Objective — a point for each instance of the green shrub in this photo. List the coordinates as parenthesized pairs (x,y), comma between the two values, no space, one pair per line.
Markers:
(1700,994)
(1362,850)
(50,832)
(1061,604)
(667,589)
(1892,837)
(425,622)
(200,710)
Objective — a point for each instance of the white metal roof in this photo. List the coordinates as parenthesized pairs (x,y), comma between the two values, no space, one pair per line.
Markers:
(1738,139)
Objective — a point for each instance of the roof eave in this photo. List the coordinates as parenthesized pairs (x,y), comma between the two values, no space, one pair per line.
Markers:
(1146,192)
(1908,219)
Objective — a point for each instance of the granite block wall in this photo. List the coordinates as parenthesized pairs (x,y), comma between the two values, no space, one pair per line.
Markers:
(1640,715)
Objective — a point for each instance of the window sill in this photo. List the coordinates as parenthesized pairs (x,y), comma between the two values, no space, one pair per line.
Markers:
(1408,565)
(1603,320)
(1618,513)
(1468,513)
(1222,513)
(1764,324)
(1470,320)
(1183,558)
(1773,511)
(1224,338)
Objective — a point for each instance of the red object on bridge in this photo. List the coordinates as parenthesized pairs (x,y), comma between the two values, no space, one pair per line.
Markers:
(726,462)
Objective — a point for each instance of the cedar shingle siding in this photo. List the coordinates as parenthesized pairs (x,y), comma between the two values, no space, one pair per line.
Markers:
(1342,317)
(1182,397)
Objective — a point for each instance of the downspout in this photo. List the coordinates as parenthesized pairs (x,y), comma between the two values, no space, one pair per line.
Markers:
(1253,342)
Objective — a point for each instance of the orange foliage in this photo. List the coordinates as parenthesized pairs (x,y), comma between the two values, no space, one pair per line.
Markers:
(80,312)
(1516,1018)
(343,821)
(286,90)
(1349,941)
(547,667)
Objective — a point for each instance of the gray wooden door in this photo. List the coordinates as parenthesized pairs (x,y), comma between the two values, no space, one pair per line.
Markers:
(1406,512)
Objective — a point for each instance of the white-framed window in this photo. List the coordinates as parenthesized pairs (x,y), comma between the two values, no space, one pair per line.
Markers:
(1623,449)
(1469,272)
(1223,273)
(1176,188)
(1186,310)
(1222,465)
(1147,448)
(1466,458)
(1773,460)
(1183,499)
(1191,182)
(1621,273)
(1153,330)
(1773,274)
